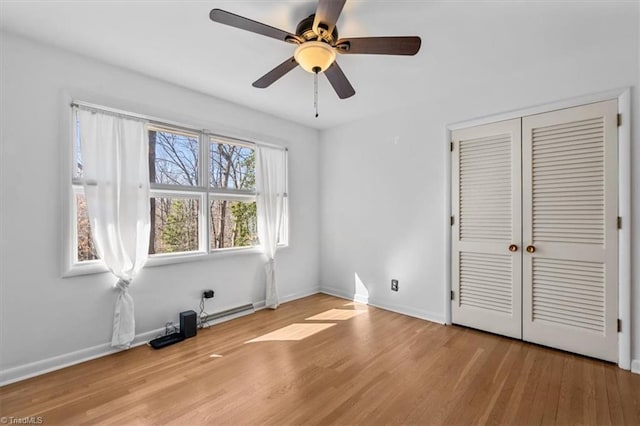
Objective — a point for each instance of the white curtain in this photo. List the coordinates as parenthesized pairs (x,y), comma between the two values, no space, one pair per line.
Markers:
(271,186)
(116,175)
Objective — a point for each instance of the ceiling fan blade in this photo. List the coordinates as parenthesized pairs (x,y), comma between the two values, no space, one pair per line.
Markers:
(272,76)
(327,14)
(379,45)
(339,81)
(233,20)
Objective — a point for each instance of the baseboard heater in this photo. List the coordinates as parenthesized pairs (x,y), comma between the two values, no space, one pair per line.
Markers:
(244,309)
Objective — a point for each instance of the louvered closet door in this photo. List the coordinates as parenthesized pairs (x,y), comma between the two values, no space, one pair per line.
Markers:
(570,220)
(486,195)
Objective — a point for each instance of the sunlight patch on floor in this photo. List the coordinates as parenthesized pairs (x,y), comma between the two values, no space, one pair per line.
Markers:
(292,332)
(356,305)
(215,356)
(336,314)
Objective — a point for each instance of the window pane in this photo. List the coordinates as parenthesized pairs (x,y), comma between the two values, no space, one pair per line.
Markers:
(174,225)
(283,238)
(231,166)
(233,224)
(173,158)
(86,250)
(77,151)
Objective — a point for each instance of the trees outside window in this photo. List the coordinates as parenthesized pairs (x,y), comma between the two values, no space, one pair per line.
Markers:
(84,243)
(202,194)
(233,221)
(174,166)
(175,195)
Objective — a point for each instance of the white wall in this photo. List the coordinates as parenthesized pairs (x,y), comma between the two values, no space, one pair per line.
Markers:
(44,315)
(635,211)
(384,179)
(381,180)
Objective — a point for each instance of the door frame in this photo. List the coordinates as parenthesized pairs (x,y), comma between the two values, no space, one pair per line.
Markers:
(623,96)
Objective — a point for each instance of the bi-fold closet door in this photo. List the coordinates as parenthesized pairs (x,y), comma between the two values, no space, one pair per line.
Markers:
(535,229)
(487,224)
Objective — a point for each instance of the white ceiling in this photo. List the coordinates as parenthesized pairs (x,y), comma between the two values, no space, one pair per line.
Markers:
(175,41)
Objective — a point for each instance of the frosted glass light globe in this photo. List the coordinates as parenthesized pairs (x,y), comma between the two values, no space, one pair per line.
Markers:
(314,54)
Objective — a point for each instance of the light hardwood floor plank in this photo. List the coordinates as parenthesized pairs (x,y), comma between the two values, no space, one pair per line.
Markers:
(377,367)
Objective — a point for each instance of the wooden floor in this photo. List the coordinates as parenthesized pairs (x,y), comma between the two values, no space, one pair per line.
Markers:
(370,367)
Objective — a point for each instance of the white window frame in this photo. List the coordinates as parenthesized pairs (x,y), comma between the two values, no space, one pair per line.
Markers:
(225,193)
(185,195)
(202,191)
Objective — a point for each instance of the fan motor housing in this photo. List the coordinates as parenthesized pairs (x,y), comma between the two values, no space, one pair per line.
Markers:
(305,30)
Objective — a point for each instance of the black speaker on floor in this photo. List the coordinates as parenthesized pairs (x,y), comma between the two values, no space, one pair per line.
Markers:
(188,324)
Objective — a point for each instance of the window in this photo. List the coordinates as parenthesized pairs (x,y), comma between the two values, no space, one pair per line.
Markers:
(83,248)
(202,197)
(84,244)
(176,198)
(175,223)
(173,157)
(232,196)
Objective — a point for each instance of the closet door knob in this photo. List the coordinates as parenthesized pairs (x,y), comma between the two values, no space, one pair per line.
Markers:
(531,249)
(513,248)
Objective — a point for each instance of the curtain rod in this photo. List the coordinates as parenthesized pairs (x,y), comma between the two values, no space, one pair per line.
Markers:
(160,121)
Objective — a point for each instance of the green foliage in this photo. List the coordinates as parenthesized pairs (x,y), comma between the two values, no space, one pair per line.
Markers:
(245,223)
(249,181)
(233,223)
(245,214)
(181,222)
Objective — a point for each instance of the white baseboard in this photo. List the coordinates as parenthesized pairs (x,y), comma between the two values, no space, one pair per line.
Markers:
(26,371)
(401,309)
(300,294)
(337,292)
(360,298)
(409,311)
(47,365)
(289,297)
(635,366)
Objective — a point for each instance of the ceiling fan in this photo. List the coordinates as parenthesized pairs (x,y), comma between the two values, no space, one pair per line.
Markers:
(317,42)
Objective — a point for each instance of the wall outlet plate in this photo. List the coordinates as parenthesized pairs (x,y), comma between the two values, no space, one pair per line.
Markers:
(394,285)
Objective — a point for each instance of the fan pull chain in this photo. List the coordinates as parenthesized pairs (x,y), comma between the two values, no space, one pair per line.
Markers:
(315,89)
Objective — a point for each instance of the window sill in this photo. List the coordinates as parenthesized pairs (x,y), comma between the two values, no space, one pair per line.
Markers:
(85,268)
(97,267)
(170,259)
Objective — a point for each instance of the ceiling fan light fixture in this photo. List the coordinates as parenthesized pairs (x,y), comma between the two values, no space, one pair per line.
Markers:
(314,54)
(318,42)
